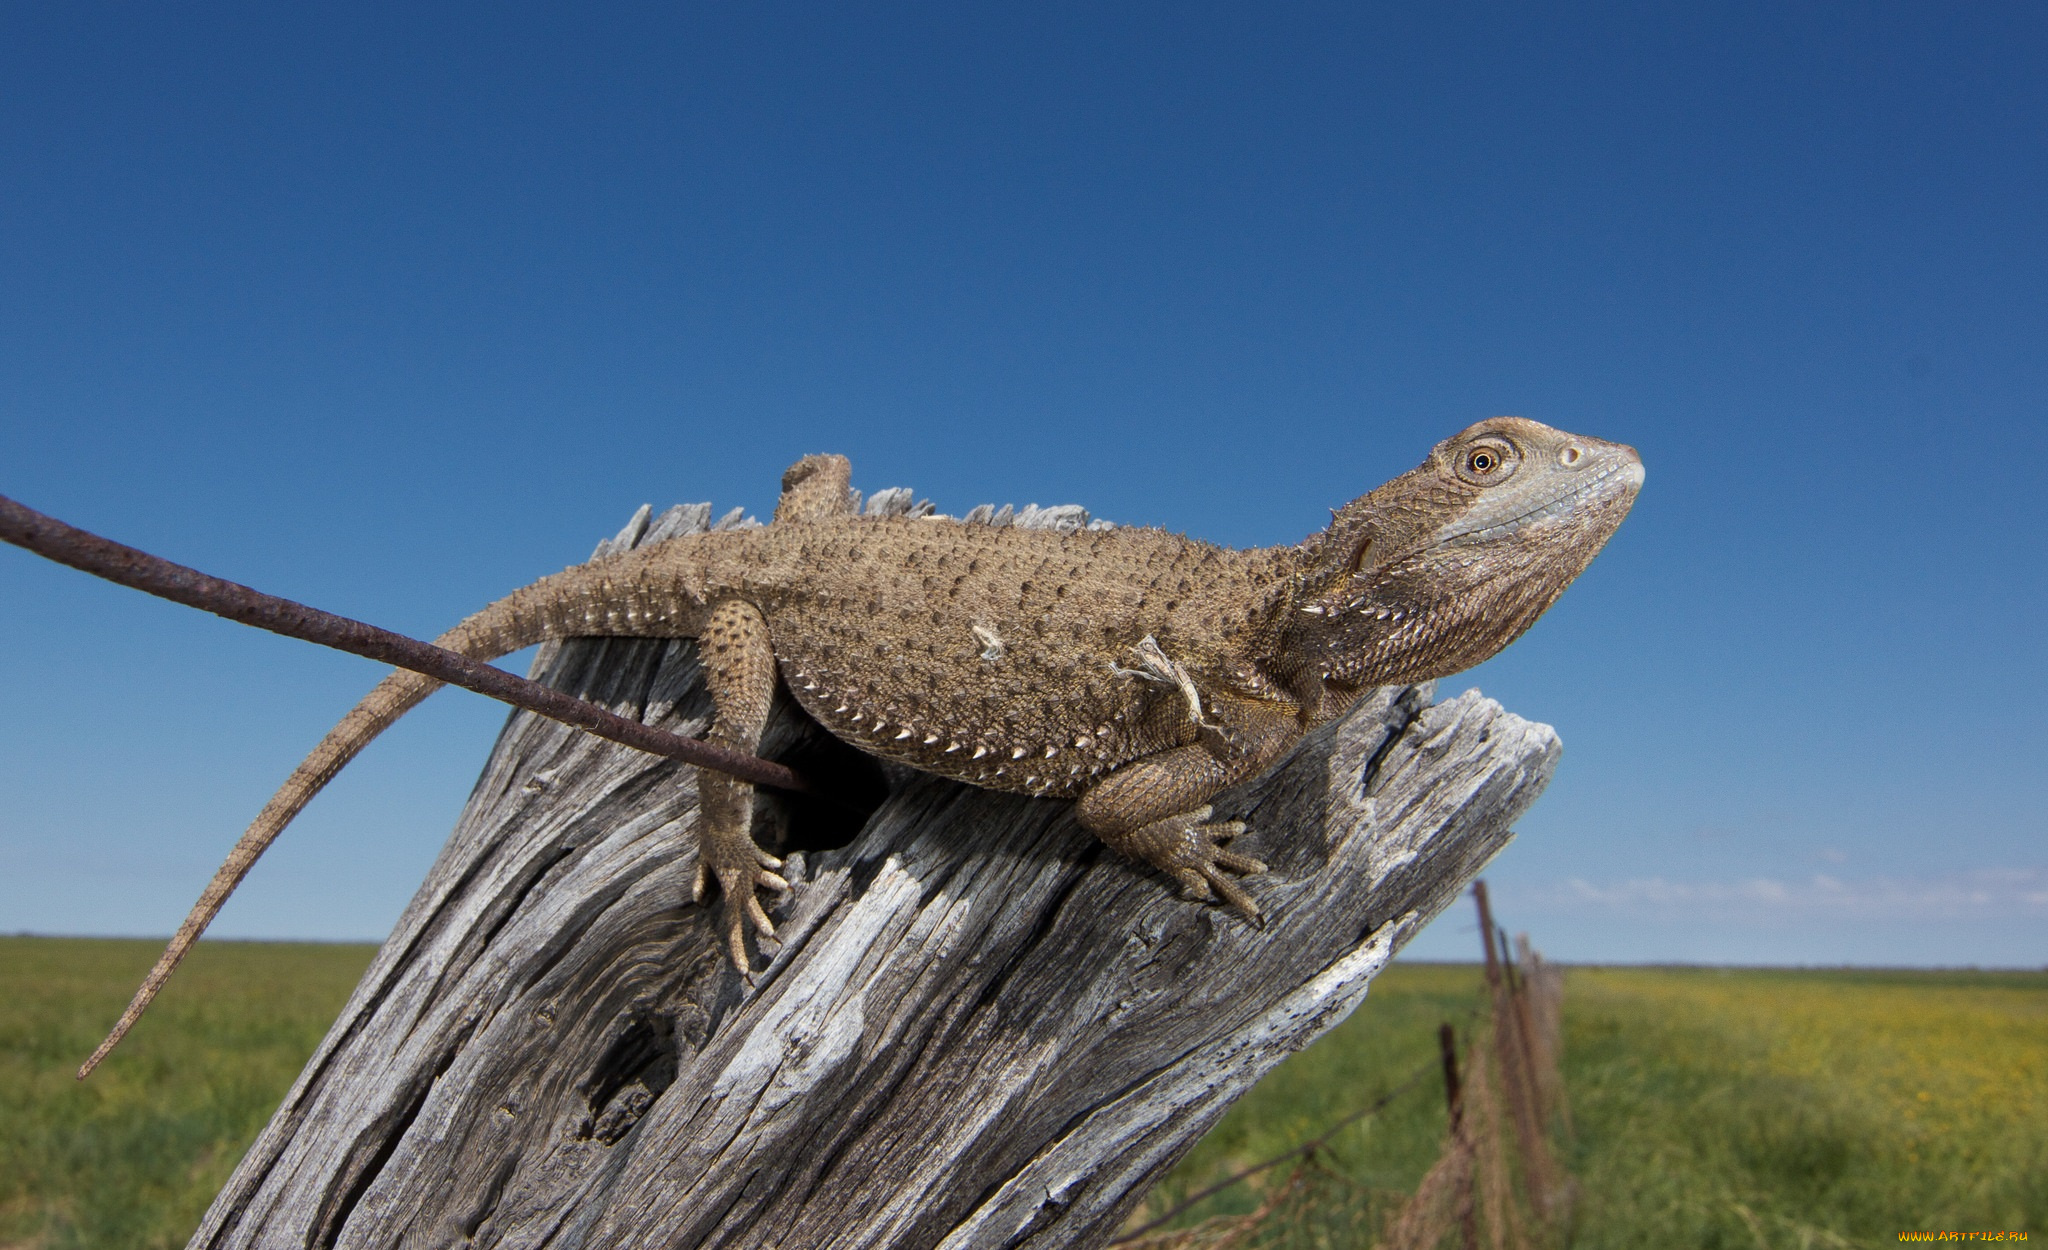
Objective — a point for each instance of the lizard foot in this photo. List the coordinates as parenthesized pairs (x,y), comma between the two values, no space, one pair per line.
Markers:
(740,872)
(1189,848)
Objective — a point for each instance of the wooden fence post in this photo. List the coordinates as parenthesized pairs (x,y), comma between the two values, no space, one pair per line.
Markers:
(980,1027)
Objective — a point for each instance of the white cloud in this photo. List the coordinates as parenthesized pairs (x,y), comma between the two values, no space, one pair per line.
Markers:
(1985,894)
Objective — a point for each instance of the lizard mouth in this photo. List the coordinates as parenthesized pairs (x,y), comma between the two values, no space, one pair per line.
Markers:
(1620,476)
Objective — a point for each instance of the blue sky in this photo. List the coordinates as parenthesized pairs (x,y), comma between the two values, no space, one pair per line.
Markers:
(391,311)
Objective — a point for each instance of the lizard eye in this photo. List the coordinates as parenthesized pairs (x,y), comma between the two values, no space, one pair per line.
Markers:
(1487,462)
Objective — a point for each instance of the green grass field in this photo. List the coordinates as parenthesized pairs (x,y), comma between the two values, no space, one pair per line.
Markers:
(1738,1108)
(129,1159)
(1807,1108)
(1712,1108)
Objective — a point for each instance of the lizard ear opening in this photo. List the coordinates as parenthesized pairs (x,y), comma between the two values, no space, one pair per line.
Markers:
(1359,554)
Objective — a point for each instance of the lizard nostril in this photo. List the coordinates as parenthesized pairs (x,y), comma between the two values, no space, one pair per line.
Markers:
(1571,455)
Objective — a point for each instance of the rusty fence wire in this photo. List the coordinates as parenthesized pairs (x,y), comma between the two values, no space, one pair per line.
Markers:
(1497,1182)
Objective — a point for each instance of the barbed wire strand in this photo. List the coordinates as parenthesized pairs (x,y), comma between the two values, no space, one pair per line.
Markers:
(1308,1147)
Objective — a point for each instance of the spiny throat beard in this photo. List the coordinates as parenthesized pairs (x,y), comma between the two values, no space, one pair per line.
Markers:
(1455,605)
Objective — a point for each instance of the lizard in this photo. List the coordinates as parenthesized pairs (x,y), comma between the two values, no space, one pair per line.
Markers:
(1134,671)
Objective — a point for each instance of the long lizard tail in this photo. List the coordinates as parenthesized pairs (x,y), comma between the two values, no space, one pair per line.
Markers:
(623,596)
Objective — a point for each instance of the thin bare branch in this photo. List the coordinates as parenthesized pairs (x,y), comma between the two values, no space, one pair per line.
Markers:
(139,570)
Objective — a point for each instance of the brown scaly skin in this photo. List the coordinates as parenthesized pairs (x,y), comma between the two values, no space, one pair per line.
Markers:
(1136,671)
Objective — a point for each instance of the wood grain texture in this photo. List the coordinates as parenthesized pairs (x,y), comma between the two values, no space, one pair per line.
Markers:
(980,1028)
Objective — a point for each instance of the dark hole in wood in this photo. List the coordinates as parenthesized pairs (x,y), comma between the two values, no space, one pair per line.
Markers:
(644,1055)
(849,783)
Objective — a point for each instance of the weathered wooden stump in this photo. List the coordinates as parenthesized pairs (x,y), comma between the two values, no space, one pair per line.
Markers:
(980,1028)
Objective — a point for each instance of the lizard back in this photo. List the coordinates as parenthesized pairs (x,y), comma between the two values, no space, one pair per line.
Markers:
(974,651)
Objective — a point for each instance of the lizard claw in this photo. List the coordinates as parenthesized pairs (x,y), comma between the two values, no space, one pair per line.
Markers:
(740,873)
(1189,848)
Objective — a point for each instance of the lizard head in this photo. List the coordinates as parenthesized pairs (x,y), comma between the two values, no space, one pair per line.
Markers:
(1446,564)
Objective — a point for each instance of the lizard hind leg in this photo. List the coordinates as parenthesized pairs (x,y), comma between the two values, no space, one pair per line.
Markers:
(1153,810)
(739,666)
(1189,847)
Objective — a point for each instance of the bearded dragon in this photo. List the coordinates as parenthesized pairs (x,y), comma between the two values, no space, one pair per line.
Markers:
(1134,671)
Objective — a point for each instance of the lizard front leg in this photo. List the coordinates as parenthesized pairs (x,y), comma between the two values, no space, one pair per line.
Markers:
(1156,808)
(739,667)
